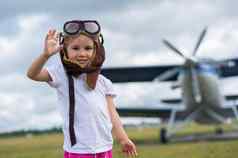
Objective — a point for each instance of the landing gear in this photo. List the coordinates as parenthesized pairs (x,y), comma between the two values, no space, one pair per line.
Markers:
(219,130)
(166,133)
(163,136)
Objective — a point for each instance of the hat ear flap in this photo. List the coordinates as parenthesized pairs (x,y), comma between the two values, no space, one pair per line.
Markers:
(91,79)
(61,38)
(100,55)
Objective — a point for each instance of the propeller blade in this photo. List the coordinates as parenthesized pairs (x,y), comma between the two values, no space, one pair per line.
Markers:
(169,45)
(195,86)
(167,74)
(201,37)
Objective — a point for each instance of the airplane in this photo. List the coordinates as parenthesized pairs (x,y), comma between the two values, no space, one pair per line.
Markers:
(199,80)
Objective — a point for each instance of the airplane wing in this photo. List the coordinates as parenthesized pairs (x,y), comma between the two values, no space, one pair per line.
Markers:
(229,68)
(137,74)
(149,73)
(163,113)
(172,101)
(231,97)
(146,112)
(227,110)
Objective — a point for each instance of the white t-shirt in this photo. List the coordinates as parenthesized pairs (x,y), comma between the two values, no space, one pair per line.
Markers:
(92,123)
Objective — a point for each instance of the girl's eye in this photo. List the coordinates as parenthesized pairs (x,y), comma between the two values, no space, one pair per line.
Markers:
(88,48)
(75,48)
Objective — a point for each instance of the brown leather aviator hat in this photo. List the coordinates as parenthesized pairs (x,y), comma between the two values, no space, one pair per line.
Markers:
(91,29)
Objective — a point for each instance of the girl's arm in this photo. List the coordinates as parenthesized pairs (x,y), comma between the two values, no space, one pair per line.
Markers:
(35,72)
(118,131)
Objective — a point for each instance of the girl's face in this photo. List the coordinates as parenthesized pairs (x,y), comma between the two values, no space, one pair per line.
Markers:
(80,50)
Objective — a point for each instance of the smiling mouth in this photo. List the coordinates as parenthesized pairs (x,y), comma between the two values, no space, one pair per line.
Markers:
(81,62)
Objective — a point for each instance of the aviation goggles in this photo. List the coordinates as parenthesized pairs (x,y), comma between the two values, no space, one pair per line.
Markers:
(75,27)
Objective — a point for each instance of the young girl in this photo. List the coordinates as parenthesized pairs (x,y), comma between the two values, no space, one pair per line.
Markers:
(85,97)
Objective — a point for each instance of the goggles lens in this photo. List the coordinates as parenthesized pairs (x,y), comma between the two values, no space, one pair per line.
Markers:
(75,27)
(91,27)
(71,28)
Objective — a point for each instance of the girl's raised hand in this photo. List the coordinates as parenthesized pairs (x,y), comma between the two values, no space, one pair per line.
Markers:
(52,43)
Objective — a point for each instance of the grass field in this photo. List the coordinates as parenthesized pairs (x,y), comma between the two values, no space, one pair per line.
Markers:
(50,146)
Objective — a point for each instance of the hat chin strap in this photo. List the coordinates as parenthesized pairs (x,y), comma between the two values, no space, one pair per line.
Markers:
(81,66)
(75,69)
(91,79)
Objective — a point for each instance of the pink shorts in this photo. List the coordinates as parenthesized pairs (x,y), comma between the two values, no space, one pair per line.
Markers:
(107,154)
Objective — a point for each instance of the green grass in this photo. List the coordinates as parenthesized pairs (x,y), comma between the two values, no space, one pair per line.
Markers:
(50,146)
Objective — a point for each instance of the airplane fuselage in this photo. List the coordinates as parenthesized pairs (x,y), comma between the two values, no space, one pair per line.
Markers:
(210,91)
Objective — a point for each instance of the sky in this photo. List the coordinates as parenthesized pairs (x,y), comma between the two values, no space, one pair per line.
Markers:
(132,30)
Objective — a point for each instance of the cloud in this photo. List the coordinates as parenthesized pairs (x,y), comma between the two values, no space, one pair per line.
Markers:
(18,51)
(25,104)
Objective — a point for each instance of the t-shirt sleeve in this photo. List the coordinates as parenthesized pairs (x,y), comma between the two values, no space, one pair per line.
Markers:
(54,74)
(109,89)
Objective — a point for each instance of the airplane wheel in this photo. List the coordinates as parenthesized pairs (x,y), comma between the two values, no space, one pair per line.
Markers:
(219,131)
(163,136)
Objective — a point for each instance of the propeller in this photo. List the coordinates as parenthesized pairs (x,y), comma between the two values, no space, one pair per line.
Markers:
(190,64)
(200,39)
(169,45)
(187,58)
